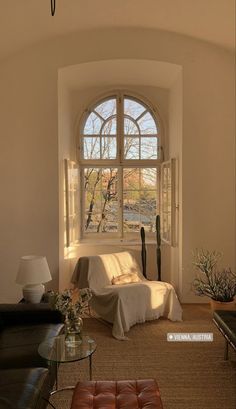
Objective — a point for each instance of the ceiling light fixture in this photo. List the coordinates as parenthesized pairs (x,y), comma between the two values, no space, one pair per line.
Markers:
(53,7)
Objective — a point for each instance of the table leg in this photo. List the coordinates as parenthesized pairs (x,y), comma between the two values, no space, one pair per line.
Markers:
(226,350)
(56,390)
(49,403)
(56,376)
(90,367)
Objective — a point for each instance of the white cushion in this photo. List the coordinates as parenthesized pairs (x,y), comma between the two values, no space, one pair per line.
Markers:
(126,279)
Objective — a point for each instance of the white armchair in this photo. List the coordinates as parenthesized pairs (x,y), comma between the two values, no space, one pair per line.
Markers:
(125,305)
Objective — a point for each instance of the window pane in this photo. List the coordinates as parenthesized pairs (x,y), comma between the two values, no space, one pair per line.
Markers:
(93,225)
(106,108)
(133,108)
(91,148)
(110,224)
(148,148)
(92,178)
(166,225)
(139,199)
(109,148)
(131,215)
(147,124)
(101,200)
(92,184)
(148,209)
(131,179)
(139,211)
(110,127)
(149,179)
(130,128)
(71,203)
(93,125)
(131,148)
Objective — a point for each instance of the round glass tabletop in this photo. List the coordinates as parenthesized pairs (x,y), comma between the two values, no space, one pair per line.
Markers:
(55,349)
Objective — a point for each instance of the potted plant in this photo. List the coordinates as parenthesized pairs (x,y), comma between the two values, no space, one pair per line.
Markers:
(218,285)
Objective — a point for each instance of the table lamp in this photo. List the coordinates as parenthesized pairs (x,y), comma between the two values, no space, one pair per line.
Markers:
(32,273)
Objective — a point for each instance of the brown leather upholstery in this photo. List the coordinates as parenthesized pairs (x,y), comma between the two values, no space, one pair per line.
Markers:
(127,394)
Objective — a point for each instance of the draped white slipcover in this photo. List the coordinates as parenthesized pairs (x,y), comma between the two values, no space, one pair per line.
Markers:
(124,305)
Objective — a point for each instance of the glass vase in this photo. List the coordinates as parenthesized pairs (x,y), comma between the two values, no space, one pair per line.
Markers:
(73,331)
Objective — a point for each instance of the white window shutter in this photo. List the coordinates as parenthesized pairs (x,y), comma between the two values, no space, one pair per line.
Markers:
(71,203)
(168,205)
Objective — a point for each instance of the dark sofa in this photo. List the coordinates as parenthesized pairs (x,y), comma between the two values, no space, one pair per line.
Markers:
(25,378)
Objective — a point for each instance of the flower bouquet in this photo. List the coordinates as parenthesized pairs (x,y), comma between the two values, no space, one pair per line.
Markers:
(72,304)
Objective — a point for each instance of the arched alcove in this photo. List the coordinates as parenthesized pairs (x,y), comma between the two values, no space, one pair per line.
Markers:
(159,82)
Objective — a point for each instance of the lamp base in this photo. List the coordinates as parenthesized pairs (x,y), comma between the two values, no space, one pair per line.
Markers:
(33,293)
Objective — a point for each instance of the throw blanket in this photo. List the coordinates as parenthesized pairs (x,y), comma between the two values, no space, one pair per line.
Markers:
(124,305)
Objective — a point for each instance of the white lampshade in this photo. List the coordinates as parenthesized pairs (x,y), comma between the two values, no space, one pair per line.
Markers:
(32,272)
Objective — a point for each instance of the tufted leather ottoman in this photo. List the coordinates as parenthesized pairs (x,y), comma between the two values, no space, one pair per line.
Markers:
(126,394)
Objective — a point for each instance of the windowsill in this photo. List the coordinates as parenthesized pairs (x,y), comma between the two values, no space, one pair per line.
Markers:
(113,242)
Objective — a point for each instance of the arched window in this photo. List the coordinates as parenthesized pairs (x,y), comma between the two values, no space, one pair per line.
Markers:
(119,158)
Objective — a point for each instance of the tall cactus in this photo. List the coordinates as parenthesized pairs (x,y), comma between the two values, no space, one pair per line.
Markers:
(143,252)
(158,250)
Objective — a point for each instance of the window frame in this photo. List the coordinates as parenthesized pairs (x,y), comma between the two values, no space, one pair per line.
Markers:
(120,162)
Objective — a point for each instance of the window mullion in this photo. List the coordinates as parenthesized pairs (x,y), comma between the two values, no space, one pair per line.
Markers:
(80,148)
(139,192)
(139,146)
(120,153)
(120,128)
(141,115)
(120,199)
(100,140)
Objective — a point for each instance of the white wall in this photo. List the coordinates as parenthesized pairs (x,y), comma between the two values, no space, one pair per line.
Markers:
(28,168)
(29,142)
(175,151)
(208,162)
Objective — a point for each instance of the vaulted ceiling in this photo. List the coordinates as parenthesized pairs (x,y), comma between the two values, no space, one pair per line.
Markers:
(25,22)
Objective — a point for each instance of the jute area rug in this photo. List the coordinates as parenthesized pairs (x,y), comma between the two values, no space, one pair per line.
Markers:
(190,375)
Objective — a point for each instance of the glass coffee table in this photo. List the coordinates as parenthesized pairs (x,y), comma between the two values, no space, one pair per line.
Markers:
(56,351)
